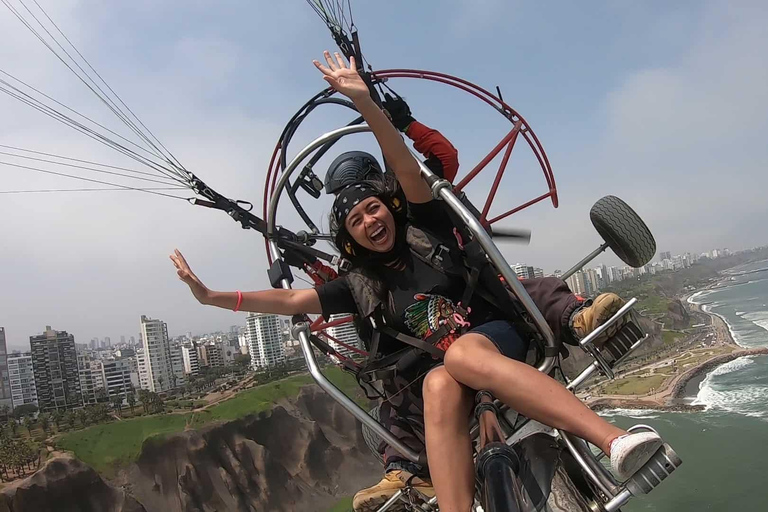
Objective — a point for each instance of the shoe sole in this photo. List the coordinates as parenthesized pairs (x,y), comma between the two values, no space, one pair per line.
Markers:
(638,455)
(374,503)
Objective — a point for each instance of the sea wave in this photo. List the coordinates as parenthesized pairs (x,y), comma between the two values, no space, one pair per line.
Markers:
(697,297)
(744,399)
(638,414)
(759,318)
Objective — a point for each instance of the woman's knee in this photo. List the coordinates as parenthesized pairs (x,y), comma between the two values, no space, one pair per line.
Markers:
(443,395)
(468,354)
(439,385)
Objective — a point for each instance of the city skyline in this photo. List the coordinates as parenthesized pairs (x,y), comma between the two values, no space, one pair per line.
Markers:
(523,270)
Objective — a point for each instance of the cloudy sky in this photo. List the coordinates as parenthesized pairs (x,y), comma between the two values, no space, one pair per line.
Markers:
(663,104)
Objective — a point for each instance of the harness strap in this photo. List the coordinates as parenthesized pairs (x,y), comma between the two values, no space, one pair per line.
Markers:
(414,342)
(472,279)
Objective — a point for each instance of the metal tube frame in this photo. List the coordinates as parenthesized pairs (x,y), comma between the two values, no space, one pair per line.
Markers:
(594,254)
(594,470)
(441,189)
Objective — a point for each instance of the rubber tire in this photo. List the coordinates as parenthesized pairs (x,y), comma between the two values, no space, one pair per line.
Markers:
(623,230)
(372,439)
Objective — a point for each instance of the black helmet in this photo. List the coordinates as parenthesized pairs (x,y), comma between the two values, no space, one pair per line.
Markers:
(350,167)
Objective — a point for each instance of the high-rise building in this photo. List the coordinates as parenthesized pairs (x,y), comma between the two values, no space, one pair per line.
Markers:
(22,379)
(5,382)
(122,340)
(161,364)
(141,367)
(91,377)
(191,360)
(107,341)
(57,378)
(665,255)
(117,377)
(577,283)
(264,340)
(524,271)
(604,275)
(209,354)
(177,365)
(593,281)
(345,333)
(538,273)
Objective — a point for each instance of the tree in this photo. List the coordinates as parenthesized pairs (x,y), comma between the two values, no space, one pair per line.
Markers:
(99,413)
(5,411)
(12,426)
(144,399)
(24,410)
(58,417)
(82,415)
(155,403)
(45,422)
(117,403)
(242,361)
(101,395)
(69,418)
(27,422)
(131,398)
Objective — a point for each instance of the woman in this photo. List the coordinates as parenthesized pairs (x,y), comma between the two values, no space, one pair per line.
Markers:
(374,233)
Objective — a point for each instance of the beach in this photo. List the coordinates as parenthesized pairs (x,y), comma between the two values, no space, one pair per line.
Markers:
(671,376)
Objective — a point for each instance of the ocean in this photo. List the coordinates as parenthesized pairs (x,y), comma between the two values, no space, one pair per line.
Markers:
(725,447)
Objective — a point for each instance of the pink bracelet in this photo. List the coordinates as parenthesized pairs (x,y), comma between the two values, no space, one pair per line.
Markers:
(239,301)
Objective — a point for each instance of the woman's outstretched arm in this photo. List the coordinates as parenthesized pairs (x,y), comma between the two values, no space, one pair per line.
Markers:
(280,302)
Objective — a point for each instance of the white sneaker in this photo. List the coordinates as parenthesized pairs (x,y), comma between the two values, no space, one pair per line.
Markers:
(630,452)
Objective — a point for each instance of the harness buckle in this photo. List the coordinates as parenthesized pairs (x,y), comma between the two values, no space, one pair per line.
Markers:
(344,264)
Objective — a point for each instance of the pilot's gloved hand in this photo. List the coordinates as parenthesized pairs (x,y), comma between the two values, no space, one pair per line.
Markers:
(399,112)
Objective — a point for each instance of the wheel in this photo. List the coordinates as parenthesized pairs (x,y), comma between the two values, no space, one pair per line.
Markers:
(623,230)
(371,438)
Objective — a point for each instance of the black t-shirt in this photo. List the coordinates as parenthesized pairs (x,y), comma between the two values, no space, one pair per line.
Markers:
(421,294)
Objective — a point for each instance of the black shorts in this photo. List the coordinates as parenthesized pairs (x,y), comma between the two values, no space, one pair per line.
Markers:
(504,336)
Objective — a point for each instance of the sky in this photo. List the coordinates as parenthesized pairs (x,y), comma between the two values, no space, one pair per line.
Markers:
(663,104)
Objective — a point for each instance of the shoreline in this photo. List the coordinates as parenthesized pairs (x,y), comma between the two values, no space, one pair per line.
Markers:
(670,396)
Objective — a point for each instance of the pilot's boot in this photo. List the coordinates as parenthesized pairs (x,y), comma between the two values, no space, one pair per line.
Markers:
(591,316)
(372,498)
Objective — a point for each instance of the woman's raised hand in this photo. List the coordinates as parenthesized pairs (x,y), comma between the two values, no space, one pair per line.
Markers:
(199,290)
(343,78)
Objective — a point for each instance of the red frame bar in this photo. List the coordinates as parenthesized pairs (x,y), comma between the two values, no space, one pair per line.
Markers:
(348,347)
(490,156)
(319,325)
(521,207)
(502,168)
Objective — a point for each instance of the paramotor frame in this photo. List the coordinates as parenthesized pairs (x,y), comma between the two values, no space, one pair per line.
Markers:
(308,180)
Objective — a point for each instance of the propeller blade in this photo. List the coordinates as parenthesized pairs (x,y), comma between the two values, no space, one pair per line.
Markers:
(515,235)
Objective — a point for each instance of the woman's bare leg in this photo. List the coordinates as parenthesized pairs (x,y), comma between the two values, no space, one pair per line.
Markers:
(476,362)
(447,406)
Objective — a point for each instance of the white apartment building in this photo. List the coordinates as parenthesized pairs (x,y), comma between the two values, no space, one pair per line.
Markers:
(22,379)
(345,333)
(263,332)
(161,364)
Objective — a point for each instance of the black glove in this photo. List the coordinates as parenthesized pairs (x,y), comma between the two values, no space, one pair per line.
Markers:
(399,112)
